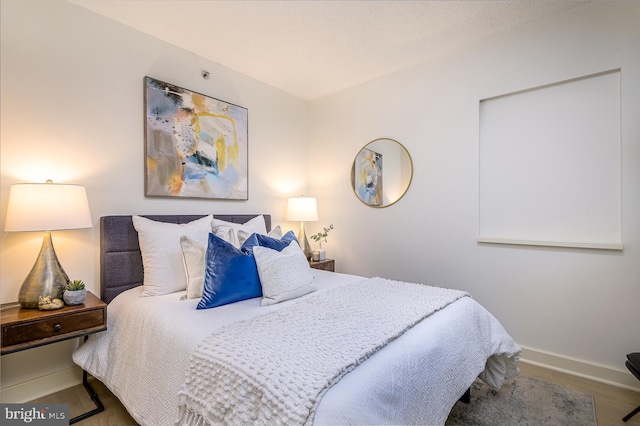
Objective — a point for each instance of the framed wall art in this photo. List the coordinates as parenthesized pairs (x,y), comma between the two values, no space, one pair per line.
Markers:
(196,146)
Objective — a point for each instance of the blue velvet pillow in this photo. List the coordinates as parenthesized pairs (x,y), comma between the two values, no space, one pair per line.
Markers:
(268,242)
(231,274)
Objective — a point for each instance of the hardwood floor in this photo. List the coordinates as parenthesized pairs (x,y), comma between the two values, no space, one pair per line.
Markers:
(611,403)
(79,401)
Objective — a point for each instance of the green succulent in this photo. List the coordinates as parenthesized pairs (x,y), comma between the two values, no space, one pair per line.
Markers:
(75,285)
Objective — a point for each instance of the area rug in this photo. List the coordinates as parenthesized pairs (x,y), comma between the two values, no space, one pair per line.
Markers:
(524,401)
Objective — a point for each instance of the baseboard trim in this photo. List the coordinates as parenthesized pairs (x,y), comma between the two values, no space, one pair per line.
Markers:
(41,386)
(597,372)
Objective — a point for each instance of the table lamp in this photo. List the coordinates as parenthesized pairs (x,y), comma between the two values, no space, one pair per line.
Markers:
(303,209)
(46,207)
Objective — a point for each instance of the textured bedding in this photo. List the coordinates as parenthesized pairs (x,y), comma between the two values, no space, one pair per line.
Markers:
(274,369)
(144,357)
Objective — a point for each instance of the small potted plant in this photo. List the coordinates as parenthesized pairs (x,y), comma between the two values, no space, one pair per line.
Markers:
(320,254)
(74,293)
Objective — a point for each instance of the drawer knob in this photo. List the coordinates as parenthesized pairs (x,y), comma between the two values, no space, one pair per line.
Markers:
(57,327)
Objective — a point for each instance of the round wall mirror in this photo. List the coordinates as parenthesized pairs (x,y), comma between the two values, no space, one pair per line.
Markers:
(381,173)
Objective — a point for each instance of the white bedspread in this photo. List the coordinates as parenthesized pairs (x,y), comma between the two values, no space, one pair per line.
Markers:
(274,369)
(416,379)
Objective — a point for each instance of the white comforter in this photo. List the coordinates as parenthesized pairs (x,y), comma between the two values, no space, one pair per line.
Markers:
(416,379)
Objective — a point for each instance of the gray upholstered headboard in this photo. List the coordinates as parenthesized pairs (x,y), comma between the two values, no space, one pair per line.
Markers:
(120,258)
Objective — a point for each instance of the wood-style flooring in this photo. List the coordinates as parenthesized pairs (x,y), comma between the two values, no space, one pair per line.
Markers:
(611,403)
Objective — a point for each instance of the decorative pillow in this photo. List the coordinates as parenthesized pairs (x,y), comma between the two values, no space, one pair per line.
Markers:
(276,233)
(244,234)
(283,274)
(193,253)
(231,274)
(237,233)
(193,256)
(269,242)
(162,254)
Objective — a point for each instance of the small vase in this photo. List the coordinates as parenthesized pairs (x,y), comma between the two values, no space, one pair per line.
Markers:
(318,255)
(74,297)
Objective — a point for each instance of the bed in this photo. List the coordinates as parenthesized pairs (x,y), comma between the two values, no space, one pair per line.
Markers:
(152,354)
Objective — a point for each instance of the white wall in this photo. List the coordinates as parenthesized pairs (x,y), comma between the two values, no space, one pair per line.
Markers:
(72,111)
(575,308)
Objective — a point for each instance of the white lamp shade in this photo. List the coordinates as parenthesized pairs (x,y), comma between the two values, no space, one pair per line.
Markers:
(47,207)
(302,209)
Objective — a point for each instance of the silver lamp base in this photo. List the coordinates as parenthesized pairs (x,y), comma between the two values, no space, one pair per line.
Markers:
(47,278)
(304,243)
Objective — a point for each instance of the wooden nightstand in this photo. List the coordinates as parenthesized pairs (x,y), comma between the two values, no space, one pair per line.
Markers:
(29,328)
(325,265)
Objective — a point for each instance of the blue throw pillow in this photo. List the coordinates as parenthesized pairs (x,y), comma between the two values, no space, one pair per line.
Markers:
(268,242)
(231,274)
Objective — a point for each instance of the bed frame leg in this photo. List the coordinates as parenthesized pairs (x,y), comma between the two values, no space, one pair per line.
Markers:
(466,397)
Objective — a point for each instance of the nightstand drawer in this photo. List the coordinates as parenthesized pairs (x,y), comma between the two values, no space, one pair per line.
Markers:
(52,327)
(24,328)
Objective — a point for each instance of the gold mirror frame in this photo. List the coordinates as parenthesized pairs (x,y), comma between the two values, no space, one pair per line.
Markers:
(382,175)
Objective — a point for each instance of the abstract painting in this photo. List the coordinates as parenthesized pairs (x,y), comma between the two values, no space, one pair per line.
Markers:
(368,177)
(195,145)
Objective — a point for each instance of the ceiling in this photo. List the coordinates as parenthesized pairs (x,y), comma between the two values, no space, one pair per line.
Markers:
(312,49)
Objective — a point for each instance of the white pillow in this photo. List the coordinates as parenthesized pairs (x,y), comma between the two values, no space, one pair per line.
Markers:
(162,254)
(243,234)
(193,254)
(237,233)
(283,274)
(276,233)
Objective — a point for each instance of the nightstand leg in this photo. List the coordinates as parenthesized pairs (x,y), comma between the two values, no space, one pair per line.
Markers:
(94,397)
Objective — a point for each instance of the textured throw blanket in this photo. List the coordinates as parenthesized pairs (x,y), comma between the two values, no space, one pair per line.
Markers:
(275,368)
